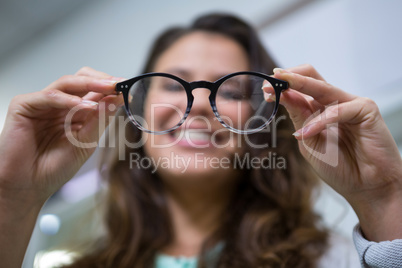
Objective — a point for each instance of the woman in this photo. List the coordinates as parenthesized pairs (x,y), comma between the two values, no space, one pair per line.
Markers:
(228,217)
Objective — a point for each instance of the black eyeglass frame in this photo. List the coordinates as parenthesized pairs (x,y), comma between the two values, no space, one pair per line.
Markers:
(277,84)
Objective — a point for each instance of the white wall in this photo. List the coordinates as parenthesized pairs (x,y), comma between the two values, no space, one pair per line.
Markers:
(355,44)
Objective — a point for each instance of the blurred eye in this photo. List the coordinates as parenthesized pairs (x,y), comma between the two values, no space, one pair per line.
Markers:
(231,95)
(231,92)
(172,86)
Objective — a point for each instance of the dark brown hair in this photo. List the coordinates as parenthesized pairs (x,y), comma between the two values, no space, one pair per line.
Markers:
(270,221)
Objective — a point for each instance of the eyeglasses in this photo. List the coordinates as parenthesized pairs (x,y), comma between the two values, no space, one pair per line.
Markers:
(237,100)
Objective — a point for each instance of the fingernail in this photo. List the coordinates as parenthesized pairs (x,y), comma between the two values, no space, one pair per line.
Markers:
(303,131)
(297,134)
(89,103)
(306,129)
(271,97)
(268,96)
(109,82)
(118,79)
(279,70)
(266,85)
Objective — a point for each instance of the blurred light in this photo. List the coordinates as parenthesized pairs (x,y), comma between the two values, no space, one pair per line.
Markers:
(49,224)
(49,259)
(81,187)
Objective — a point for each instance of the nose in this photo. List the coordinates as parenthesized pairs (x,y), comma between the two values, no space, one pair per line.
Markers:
(201,105)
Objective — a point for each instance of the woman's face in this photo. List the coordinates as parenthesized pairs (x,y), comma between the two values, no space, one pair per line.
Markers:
(201,146)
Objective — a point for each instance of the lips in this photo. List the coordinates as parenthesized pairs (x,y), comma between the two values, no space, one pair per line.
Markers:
(193,137)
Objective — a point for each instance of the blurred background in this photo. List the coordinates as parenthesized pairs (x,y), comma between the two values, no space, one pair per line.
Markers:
(355,44)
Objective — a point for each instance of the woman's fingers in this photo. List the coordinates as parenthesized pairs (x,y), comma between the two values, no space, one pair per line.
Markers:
(94,96)
(321,91)
(297,105)
(98,120)
(312,103)
(51,98)
(306,70)
(354,112)
(88,71)
(102,78)
(81,85)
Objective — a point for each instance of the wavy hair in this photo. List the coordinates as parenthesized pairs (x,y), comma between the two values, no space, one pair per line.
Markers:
(270,221)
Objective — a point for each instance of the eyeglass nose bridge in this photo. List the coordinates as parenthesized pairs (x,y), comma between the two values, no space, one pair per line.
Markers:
(201,84)
(211,86)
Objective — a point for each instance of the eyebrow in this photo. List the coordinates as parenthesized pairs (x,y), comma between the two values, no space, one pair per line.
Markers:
(184,74)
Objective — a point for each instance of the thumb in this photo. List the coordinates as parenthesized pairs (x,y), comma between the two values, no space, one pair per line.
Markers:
(298,105)
(95,123)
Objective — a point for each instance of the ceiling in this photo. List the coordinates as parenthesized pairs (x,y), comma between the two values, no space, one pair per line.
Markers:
(23,20)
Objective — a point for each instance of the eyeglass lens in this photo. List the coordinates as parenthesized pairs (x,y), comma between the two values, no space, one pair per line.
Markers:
(239,102)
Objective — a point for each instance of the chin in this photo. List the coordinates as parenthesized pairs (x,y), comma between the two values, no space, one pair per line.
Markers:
(199,177)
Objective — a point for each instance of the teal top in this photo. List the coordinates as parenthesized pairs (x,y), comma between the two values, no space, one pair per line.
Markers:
(166,261)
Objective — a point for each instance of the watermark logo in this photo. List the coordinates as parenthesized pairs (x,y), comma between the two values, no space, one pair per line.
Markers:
(328,153)
(231,139)
(205,161)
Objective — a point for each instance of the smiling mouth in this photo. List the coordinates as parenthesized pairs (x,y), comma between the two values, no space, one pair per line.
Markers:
(200,136)
(193,136)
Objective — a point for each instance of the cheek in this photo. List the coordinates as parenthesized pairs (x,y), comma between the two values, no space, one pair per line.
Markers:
(235,114)
(162,112)
(149,149)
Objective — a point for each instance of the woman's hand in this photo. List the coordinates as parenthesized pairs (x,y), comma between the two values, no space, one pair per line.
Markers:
(39,152)
(38,149)
(347,142)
